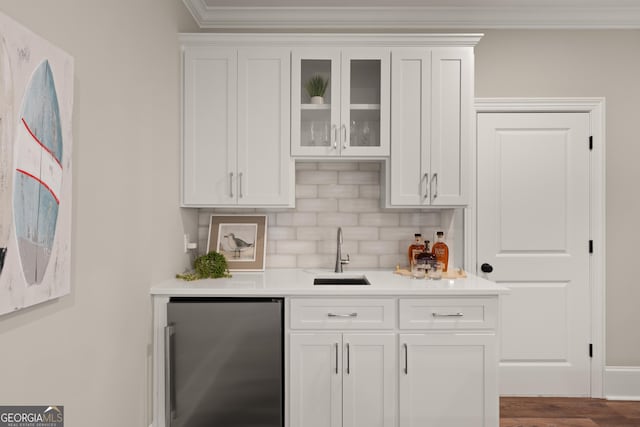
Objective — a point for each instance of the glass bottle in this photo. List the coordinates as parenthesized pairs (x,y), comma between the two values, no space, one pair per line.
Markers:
(441,250)
(415,248)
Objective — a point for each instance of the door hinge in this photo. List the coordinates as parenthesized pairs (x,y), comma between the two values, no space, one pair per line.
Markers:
(591,350)
(590,246)
(591,142)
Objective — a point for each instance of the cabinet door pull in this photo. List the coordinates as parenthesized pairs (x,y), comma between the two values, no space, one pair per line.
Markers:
(406,358)
(169,400)
(426,185)
(230,184)
(344,137)
(336,344)
(447,314)
(435,192)
(335,136)
(240,185)
(348,360)
(342,315)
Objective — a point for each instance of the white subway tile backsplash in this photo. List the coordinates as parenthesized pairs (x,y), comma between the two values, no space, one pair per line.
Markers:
(338,219)
(337,191)
(369,166)
(315,261)
(329,195)
(280,261)
(404,234)
(379,219)
(281,233)
(378,247)
(330,246)
(419,219)
(360,233)
(370,192)
(316,233)
(359,177)
(390,261)
(296,219)
(317,205)
(317,177)
(358,205)
(338,166)
(295,247)
(306,191)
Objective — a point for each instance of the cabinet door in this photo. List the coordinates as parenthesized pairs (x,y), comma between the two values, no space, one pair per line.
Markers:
(448,380)
(315,126)
(209,126)
(451,132)
(265,171)
(365,102)
(369,380)
(315,380)
(410,172)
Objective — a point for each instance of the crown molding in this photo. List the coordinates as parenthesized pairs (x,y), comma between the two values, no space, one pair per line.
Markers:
(412,18)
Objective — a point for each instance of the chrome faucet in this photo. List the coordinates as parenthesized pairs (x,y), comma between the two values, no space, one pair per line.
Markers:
(339,260)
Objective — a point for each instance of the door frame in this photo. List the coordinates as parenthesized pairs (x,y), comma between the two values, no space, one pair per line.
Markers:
(595,107)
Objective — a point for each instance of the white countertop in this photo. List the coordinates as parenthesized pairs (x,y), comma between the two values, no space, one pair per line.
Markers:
(299,282)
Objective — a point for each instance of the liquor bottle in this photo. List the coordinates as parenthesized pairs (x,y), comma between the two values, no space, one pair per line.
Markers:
(415,248)
(441,250)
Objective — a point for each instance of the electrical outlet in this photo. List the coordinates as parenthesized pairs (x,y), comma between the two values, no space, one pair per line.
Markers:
(189,245)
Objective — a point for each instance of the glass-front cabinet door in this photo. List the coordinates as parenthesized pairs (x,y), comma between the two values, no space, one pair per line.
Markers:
(340,102)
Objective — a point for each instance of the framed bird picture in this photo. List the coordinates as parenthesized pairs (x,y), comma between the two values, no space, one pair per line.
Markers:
(242,239)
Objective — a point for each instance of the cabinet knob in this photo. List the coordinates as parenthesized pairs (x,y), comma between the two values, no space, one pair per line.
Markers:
(486,268)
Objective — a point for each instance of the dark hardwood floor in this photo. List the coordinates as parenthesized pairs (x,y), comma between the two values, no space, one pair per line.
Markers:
(567,412)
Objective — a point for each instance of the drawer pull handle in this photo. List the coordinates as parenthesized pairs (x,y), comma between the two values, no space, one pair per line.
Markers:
(342,315)
(447,315)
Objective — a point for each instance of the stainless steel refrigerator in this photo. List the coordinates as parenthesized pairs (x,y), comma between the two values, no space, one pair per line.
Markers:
(224,364)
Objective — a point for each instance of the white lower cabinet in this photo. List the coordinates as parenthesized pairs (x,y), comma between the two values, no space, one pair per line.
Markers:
(433,364)
(448,380)
(342,380)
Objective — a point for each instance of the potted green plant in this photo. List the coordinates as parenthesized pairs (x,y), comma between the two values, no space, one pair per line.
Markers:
(316,87)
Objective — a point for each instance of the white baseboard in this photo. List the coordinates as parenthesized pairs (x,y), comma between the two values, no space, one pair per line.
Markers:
(622,382)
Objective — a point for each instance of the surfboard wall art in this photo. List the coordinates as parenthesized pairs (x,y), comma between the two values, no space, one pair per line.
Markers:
(36,102)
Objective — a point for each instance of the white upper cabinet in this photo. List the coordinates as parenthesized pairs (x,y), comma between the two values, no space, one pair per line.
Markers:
(236,127)
(431,133)
(352,118)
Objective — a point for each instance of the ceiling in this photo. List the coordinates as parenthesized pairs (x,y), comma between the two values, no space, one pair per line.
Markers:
(413,14)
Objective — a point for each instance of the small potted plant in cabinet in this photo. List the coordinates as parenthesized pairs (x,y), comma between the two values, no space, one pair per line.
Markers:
(316,86)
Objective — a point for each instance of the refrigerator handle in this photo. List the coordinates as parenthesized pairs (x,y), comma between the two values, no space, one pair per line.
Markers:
(169,400)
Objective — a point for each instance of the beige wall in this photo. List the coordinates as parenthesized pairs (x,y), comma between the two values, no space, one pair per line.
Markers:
(89,351)
(587,64)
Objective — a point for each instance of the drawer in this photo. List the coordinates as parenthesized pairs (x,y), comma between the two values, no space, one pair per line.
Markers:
(448,313)
(342,313)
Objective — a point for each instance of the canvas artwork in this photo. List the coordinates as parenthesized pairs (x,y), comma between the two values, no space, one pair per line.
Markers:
(36,102)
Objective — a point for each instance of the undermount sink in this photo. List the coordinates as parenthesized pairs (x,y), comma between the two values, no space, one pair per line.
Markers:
(341,280)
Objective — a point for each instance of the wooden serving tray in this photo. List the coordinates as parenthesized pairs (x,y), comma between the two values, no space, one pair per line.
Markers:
(455,273)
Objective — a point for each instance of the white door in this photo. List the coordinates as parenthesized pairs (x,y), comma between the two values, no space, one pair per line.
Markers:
(265,168)
(209,128)
(445,380)
(316,380)
(451,130)
(410,127)
(369,380)
(533,230)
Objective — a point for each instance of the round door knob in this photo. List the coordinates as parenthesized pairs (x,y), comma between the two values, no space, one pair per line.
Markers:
(486,268)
